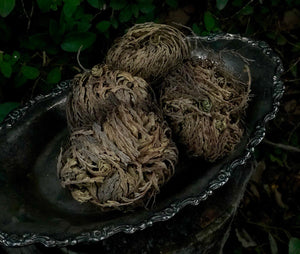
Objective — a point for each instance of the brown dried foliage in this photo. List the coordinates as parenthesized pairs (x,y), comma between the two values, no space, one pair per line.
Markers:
(149,50)
(123,159)
(205,105)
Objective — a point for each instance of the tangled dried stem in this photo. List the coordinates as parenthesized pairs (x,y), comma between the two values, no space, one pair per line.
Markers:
(149,50)
(205,106)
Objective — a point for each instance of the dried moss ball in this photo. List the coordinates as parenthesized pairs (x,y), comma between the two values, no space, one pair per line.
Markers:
(205,105)
(149,50)
(120,150)
(93,92)
(121,163)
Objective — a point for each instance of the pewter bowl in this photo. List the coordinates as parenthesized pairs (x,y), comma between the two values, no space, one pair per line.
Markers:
(35,209)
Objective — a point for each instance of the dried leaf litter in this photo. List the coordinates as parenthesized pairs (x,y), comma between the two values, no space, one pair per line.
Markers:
(120,151)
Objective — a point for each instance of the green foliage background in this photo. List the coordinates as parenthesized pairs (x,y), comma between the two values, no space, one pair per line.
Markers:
(39,38)
(39,41)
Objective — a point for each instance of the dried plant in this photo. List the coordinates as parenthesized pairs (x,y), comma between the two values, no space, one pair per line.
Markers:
(205,105)
(118,159)
(149,50)
(93,93)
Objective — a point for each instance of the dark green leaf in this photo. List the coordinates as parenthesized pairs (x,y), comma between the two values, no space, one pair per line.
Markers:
(221,4)
(172,3)
(281,40)
(196,29)
(294,245)
(54,7)
(54,76)
(146,18)
(216,29)
(19,80)
(204,33)
(277,151)
(55,30)
(6,6)
(80,14)
(44,5)
(103,26)
(275,2)
(271,35)
(247,10)
(117,4)
(6,69)
(276,160)
(53,27)
(146,7)
(250,29)
(30,72)
(52,50)
(83,26)
(125,14)
(273,244)
(56,3)
(36,42)
(15,57)
(7,57)
(294,71)
(70,7)
(135,10)
(114,23)
(73,41)
(144,1)
(264,10)
(96,3)
(289,2)
(237,3)
(296,47)
(6,107)
(209,21)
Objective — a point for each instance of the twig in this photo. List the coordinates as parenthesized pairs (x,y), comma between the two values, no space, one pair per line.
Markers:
(185,27)
(247,69)
(78,60)
(291,80)
(292,93)
(104,7)
(235,53)
(292,66)
(265,227)
(293,131)
(282,146)
(44,58)
(34,86)
(28,16)
(236,13)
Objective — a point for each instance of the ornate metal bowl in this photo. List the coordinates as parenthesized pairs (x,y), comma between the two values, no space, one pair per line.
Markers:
(35,209)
